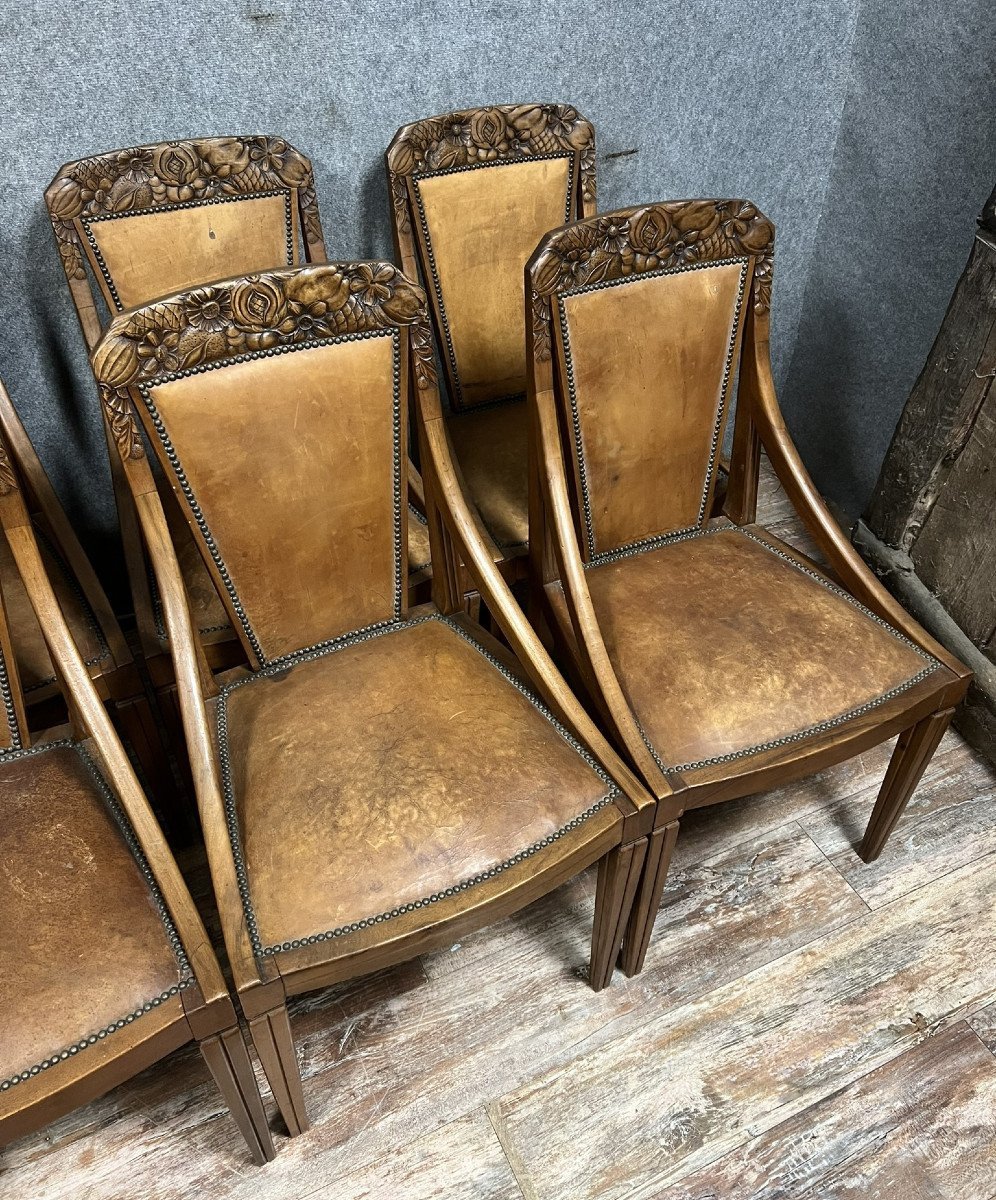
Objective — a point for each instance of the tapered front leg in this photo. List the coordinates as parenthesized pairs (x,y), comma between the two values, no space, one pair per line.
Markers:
(913,752)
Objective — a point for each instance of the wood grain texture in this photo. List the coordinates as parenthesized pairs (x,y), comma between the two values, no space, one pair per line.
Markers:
(644,1110)
(921,1127)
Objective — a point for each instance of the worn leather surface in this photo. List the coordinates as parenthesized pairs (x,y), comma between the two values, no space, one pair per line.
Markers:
(358,792)
(648,358)
(483,226)
(81,942)
(720,646)
(298,494)
(160,252)
(491,445)
(33,662)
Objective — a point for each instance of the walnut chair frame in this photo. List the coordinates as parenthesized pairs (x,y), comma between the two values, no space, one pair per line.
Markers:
(471,191)
(96,629)
(669,276)
(81,777)
(360,342)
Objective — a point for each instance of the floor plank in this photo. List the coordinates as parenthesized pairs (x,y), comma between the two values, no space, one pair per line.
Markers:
(645,1109)
(921,1127)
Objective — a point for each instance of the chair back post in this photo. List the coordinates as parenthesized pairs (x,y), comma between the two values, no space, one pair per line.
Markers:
(14,734)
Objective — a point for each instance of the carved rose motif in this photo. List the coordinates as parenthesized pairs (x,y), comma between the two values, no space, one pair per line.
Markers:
(144,178)
(669,235)
(488,134)
(208,325)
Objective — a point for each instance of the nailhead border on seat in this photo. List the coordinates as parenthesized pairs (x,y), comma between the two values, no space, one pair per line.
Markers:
(802,734)
(361,635)
(186,977)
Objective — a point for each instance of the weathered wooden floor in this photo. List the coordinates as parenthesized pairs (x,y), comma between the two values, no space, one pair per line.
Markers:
(806,1026)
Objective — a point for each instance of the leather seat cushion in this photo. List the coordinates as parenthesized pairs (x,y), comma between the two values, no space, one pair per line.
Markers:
(386,772)
(491,446)
(82,942)
(723,645)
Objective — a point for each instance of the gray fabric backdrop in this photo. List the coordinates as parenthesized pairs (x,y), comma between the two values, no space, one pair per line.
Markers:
(863,128)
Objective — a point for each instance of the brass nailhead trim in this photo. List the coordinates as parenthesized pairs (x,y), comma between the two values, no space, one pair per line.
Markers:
(183,966)
(362,635)
(822,726)
(454,374)
(180,205)
(596,559)
(195,508)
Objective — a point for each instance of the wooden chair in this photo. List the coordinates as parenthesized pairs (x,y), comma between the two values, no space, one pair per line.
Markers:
(91,620)
(722,661)
(381,780)
(152,220)
(472,192)
(106,966)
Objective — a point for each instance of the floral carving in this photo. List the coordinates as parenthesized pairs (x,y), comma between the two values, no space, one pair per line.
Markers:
(482,135)
(255,313)
(654,237)
(148,177)
(8,480)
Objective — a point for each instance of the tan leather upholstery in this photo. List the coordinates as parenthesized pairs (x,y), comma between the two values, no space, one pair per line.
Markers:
(721,646)
(295,502)
(418,542)
(483,225)
(358,793)
(82,944)
(649,357)
(491,446)
(162,251)
(33,662)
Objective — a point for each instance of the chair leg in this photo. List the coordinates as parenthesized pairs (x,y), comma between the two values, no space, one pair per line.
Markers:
(648,898)
(618,876)
(228,1060)
(913,752)
(271,1035)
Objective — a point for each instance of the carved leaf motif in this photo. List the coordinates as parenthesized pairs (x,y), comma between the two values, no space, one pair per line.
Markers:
(122,421)
(633,241)
(149,177)
(480,135)
(253,313)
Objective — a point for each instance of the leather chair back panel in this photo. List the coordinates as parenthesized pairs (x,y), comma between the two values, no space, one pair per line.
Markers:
(482,225)
(137,257)
(649,362)
(291,476)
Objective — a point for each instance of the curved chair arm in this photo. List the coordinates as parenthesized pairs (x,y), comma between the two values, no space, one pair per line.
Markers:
(445,495)
(758,388)
(197,735)
(586,628)
(33,474)
(86,705)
